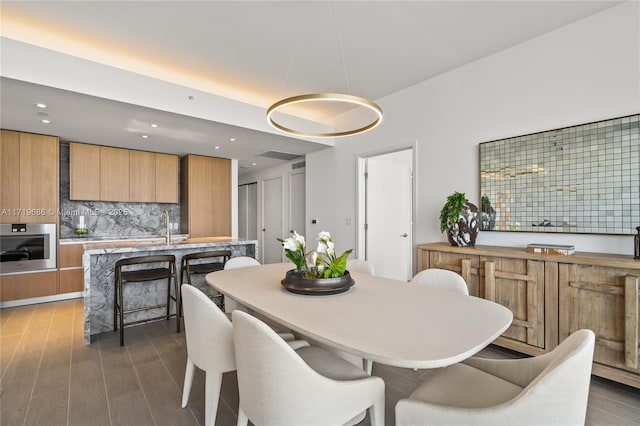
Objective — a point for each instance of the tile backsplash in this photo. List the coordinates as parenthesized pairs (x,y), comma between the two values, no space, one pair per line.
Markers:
(110,219)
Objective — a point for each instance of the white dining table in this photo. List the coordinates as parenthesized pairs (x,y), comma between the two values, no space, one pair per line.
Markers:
(380,319)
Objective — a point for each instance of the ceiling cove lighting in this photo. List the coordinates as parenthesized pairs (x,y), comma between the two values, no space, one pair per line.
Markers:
(326,97)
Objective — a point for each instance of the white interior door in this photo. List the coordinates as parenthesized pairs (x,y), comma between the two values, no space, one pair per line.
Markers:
(252,211)
(243,211)
(388,214)
(297,202)
(248,211)
(271,249)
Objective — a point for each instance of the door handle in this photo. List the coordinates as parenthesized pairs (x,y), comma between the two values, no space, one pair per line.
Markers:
(405,235)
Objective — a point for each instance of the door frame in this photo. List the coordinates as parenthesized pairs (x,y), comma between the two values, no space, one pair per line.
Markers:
(361,197)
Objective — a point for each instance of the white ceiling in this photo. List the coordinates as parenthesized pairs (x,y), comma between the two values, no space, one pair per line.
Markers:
(249,53)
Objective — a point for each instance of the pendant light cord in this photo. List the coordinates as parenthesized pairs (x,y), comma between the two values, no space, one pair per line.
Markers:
(344,62)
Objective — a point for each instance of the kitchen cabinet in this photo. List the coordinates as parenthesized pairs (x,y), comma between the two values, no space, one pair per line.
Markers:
(30,177)
(25,286)
(166,181)
(100,173)
(84,171)
(142,175)
(551,296)
(70,270)
(114,174)
(205,209)
(10,174)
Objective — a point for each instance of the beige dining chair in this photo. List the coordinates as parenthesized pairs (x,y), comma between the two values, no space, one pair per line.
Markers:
(550,389)
(311,386)
(441,278)
(359,265)
(231,305)
(209,335)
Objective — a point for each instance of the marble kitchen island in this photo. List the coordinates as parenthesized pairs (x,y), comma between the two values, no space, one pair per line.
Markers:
(99,261)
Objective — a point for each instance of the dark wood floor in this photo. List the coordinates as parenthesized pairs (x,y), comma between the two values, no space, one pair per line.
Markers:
(50,378)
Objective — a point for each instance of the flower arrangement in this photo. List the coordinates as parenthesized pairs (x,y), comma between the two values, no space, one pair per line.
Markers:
(319,263)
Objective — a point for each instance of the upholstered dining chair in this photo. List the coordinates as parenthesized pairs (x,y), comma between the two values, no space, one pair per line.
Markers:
(358,265)
(233,263)
(280,386)
(441,278)
(209,335)
(550,389)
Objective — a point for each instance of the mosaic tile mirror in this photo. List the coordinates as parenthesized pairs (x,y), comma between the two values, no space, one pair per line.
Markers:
(580,179)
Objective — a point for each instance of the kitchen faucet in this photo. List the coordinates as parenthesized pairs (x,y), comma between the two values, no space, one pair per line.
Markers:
(165,221)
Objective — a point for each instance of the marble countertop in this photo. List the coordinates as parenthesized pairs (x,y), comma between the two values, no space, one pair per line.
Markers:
(125,246)
(117,238)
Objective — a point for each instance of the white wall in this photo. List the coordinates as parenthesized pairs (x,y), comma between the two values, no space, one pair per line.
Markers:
(586,71)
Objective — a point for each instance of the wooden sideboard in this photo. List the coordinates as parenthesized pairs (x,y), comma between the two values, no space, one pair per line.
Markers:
(552,296)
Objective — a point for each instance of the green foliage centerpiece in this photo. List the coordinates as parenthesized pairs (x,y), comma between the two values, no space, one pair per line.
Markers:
(318,271)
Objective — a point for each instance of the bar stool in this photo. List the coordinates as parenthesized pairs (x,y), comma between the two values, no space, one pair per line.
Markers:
(189,266)
(123,277)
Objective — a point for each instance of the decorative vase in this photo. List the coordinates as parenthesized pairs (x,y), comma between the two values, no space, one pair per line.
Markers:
(295,282)
(464,232)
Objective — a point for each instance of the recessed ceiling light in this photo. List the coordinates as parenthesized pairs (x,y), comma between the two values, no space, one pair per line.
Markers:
(216,147)
(45,121)
(253,164)
(232,139)
(145,136)
(41,105)
(154,125)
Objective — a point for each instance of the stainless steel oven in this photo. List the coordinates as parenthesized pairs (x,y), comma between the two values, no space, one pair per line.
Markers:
(27,247)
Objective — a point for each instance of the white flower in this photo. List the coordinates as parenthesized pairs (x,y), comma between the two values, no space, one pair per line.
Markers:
(324,236)
(299,239)
(312,259)
(330,248)
(322,247)
(290,244)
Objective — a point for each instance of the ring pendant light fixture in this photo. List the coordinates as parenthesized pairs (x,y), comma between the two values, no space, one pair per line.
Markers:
(347,99)
(325,97)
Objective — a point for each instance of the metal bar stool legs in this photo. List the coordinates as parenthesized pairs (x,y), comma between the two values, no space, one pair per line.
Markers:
(190,266)
(128,276)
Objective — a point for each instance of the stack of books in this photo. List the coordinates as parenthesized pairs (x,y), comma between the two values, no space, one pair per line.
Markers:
(551,248)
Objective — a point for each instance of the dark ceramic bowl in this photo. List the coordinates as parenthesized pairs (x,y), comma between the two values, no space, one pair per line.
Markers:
(295,282)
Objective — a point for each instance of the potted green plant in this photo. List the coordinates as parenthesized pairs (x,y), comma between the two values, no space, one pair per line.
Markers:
(459,218)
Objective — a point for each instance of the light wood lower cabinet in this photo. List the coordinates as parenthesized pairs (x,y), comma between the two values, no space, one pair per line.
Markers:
(70,272)
(551,296)
(25,286)
(605,300)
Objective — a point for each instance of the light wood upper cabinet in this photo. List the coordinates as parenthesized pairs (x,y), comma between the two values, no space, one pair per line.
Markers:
(84,172)
(10,176)
(166,179)
(30,177)
(114,174)
(142,175)
(100,173)
(205,210)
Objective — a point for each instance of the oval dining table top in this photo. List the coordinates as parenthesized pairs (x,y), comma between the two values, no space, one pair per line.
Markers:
(380,319)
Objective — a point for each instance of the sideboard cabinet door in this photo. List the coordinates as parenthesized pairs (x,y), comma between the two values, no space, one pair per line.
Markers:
(464,264)
(517,284)
(605,300)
